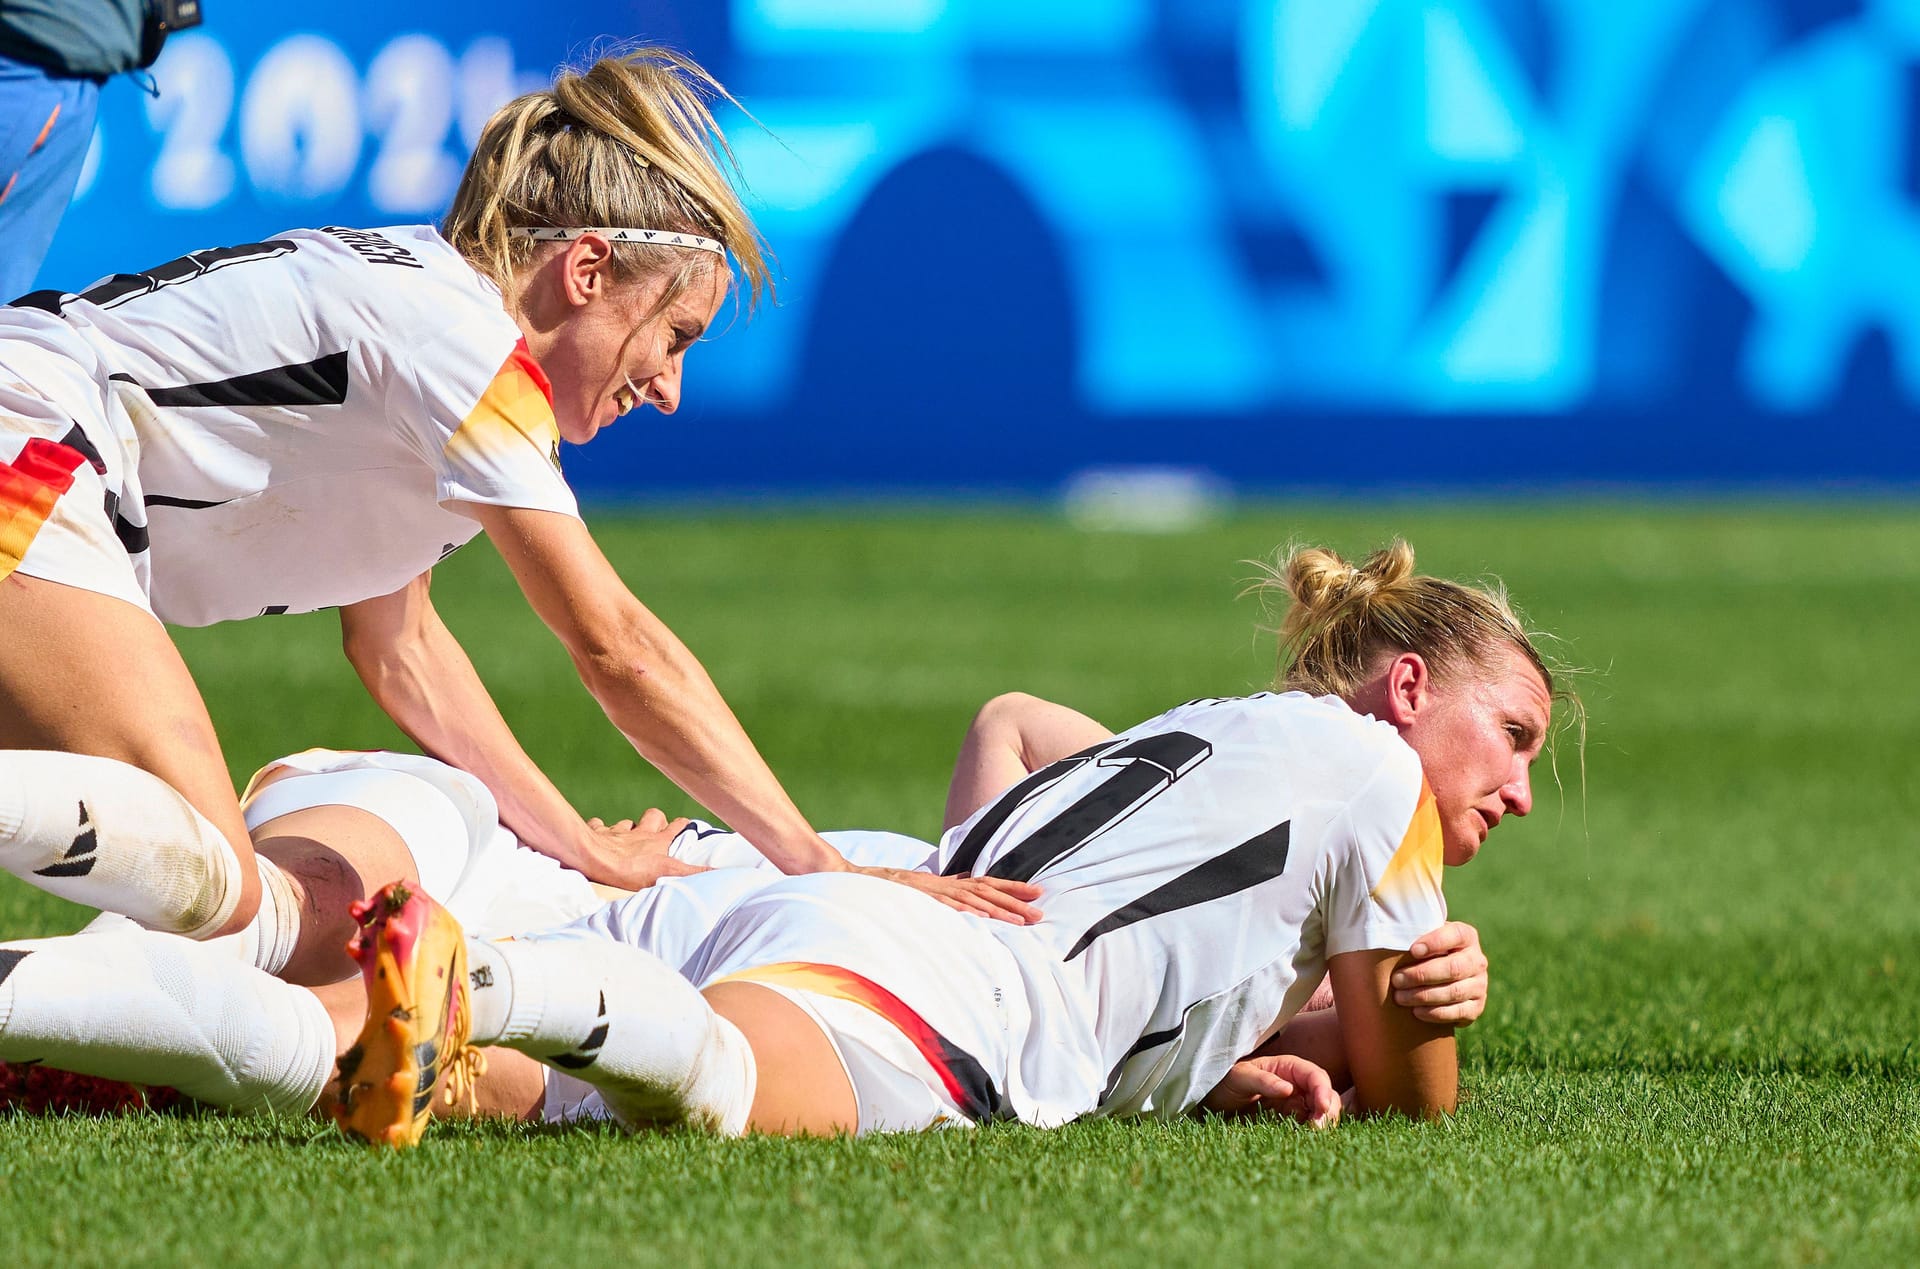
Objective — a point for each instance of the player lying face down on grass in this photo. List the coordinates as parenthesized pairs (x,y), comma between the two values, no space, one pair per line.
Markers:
(107,1002)
(314,421)
(1198,873)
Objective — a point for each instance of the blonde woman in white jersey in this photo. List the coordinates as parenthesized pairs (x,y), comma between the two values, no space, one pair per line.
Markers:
(313,421)
(1198,874)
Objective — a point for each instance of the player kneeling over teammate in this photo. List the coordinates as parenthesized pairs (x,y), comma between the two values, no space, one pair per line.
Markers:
(1197,874)
(315,421)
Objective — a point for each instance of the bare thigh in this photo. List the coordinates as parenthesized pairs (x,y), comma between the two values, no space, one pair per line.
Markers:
(803,1089)
(83,673)
(334,856)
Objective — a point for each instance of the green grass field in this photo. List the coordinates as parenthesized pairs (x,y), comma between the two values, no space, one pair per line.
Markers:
(1704,1037)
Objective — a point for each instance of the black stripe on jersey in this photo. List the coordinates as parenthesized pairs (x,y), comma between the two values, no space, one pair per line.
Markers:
(122,287)
(979,1099)
(76,440)
(982,832)
(190,504)
(1147,766)
(1260,858)
(46,301)
(133,537)
(1151,1040)
(322,381)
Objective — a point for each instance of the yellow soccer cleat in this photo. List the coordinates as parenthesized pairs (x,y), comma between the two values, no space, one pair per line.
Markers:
(413,955)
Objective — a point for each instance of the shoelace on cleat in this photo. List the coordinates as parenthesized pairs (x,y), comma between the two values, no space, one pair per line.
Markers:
(464,1070)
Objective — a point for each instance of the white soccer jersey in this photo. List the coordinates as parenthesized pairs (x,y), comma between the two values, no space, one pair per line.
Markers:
(294,417)
(1197,871)
(706,846)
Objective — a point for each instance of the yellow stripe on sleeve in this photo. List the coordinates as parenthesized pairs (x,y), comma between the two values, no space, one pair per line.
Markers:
(516,409)
(1415,866)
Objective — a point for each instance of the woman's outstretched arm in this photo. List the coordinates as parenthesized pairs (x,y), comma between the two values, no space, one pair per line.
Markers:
(658,695)
(417,672)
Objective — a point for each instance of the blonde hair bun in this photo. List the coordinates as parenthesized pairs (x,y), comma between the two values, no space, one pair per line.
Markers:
(1337,620)
(1318,581)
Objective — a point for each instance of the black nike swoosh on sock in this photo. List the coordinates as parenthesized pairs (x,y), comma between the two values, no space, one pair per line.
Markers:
(85,844)
(589,1051)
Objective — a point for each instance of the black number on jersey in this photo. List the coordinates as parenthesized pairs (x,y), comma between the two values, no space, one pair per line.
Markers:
(122,287)
(1147,767)
(1261,857)
(322,381)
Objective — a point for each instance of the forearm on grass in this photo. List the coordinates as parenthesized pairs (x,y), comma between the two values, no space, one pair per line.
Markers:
(1397,1061)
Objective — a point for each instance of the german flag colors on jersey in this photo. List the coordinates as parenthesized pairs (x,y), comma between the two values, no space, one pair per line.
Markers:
(1415,867)
(29,486)
(516,410)
(962,1076)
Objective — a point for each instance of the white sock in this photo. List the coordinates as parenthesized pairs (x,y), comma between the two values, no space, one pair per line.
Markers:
(619,1019)
(111,836)
(530,996)
(158,1009)
(269,940)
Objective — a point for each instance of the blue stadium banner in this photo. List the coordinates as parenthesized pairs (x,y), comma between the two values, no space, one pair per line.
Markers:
(1476,244)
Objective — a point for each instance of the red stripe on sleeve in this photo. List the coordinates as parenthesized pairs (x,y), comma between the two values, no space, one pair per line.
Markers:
(524,359)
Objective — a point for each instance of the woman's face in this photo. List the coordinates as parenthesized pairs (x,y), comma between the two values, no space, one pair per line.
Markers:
(604,348)
(1477,739)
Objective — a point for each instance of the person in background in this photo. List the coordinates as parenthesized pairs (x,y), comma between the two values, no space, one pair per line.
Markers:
(54,55)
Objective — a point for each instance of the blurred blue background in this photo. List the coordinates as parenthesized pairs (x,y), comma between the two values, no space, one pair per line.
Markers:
(1335,244)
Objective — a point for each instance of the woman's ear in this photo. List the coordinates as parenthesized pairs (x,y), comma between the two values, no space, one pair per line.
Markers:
(1409,688)
(586,269)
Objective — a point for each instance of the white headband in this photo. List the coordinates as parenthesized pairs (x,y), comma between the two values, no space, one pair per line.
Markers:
(655,237)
